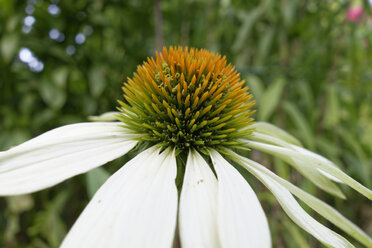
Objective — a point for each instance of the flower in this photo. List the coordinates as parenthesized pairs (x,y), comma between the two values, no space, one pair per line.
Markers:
(354,13)
(184,105)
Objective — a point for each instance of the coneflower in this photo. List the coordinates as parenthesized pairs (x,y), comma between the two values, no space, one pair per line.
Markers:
(189,115)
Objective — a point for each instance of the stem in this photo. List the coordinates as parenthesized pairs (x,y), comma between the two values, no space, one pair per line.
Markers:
(158,25)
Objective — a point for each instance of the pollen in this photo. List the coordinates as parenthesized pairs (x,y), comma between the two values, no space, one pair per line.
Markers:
(187,98)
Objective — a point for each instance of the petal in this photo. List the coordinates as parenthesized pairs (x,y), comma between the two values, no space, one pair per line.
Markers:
(60,154)
(319,206)
(318,177)
(270,129)
(108,116)
(198,204)
(330,176)
(241,219)
(136,207)
(317,161)
(310,153)
(279,142)
(296,213)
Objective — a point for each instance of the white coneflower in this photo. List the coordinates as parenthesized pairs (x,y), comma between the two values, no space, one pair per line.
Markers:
(184,105)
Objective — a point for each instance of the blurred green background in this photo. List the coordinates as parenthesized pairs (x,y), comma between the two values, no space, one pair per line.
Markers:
(308,65)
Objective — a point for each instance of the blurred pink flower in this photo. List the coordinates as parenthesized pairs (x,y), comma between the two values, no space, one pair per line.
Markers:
(354,13)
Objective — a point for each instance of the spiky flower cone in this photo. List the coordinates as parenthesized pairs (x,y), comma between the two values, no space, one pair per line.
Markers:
(187,98)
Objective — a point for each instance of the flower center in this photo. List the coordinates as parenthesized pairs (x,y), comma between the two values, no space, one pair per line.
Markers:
(187,98)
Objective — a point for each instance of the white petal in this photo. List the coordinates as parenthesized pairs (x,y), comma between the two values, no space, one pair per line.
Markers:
(198,204)
(136,207)
(279,142)
(241,219)
(298,215)
(310,153)
(317,176)
(319,206)
(330,176)
(271,130)
(316,161)
(60,154)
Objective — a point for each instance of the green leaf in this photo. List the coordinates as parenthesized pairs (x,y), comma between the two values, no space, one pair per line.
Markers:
(53,96)
(48,222)
(97,81)
(264,46)
(282,169)
(351,141)
(328,148)
(295,235)
(270,99)
(248,22)
(256,86)
(19,204)
(95,178)
(59,77)
(9,45)
(301,124)
(306,95)
(332,115)
(53,90)
(289,13)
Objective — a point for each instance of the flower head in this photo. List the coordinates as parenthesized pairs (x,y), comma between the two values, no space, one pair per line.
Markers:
(188,108)
(187,99)
(354,13)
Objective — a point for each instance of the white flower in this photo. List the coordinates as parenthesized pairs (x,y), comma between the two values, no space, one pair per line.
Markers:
(138,206)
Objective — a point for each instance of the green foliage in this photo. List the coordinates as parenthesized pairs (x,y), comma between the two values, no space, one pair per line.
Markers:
(95,178)
(308,68)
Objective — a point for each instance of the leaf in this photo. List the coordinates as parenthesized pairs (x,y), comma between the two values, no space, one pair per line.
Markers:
(48,223)
(282,169)
(352,142)
(9,45)
(270,99)
(53,90)
(289,12)
(264,46)
(256,87)
(59,77)
(53,96)
(248,22)
(295,235)
(306,95)
(301,124)
(19,204)
(328,148)
(97,81)
(332,115)
(95,178)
